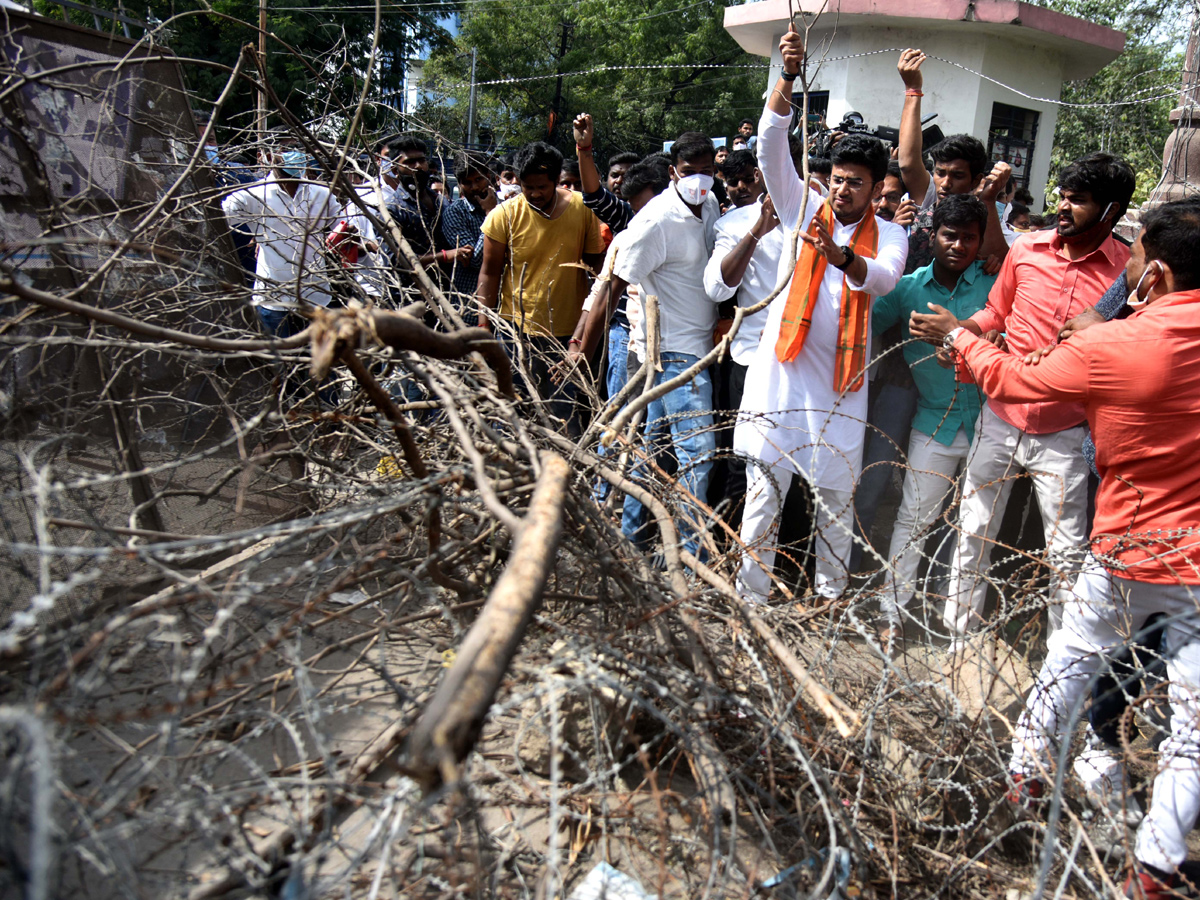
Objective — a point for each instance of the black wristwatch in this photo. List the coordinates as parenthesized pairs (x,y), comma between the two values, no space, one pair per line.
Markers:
(849,258)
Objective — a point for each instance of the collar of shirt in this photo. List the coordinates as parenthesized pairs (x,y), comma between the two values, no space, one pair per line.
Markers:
(309,197)
(463,205)
(1179,298)
(839,228)
(710,211)
(397,194)
(668,208)
(1054,242)
(275,186)
(968,276)
(533,210)
(741,216)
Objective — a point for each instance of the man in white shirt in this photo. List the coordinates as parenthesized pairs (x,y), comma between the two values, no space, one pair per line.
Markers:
(745,261)
(805,406)
(289,219)
(642,182)
(665,250)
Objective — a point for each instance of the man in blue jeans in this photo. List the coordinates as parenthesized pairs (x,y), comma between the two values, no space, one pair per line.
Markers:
(288,218)
(605,200)
(665,250)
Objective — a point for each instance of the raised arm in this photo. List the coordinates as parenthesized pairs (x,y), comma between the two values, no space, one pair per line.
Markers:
(994,242)
(731,255)
(774,153)
(791,48)
(608,207)
(589,175)
(912,163)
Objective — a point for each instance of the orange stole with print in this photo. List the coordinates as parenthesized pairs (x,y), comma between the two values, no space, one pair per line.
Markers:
(855,308)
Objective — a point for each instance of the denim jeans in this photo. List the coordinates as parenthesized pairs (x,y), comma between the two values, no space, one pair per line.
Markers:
(618,357)
(616,374)
(283,323)
(686,414)
(540,353)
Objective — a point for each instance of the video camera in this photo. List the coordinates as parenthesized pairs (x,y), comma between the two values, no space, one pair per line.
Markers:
(821,143)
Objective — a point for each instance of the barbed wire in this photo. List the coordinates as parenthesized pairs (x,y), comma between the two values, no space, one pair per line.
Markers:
(235,587)
(1157,92)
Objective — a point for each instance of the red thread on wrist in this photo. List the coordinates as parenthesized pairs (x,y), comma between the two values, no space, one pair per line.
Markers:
(587,149)
(913,92)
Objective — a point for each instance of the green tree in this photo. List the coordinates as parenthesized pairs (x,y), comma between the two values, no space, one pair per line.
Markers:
(1147,72)
(316,50)
(635,109)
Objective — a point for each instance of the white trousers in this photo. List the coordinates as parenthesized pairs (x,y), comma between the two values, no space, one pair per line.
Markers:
(1056,465)
(834,523)
(1105,611)
(930,478)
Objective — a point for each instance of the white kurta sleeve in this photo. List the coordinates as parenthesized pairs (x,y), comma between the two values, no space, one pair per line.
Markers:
(775,162)
(885,270)
(714,282)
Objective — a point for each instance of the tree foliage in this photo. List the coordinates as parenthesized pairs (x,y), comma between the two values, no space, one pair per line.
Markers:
(634,109)
(1147,71)
(317,50)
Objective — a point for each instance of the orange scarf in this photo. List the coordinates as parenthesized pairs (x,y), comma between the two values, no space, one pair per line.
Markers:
(855,309)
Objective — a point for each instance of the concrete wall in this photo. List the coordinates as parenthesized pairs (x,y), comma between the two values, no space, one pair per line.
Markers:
(1035,71)
(963,101)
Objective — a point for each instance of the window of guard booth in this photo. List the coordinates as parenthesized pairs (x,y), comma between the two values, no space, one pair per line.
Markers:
(1011,138)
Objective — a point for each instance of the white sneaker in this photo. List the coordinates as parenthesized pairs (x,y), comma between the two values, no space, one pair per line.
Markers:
(1106,786)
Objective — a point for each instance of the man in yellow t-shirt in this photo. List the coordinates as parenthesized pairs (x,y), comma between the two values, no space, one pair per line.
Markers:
(532,246)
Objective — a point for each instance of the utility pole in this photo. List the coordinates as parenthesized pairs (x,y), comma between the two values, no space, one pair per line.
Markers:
(471,104)
(556,107)
(1181,153)
(262,62)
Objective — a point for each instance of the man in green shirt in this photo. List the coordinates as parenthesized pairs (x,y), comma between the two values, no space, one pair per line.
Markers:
(946,410)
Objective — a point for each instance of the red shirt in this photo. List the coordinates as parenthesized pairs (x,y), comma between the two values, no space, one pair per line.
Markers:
(1039,288)
(1139,382)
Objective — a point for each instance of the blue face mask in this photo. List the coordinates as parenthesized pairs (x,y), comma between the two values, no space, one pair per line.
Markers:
(294,163)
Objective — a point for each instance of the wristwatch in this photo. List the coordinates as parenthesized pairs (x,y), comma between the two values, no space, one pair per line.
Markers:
(849,258)
(951,336)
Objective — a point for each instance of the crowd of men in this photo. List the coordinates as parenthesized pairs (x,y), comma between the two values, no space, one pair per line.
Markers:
(924,317)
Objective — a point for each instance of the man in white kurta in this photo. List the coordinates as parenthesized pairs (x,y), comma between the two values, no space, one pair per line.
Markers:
(793,420)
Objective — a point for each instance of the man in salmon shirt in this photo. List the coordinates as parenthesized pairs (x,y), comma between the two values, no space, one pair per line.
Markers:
(1047,278)
(1138,380)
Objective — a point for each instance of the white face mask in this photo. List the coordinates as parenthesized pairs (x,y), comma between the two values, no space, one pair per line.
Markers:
(1135,301)
(509,190)
(694,188)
